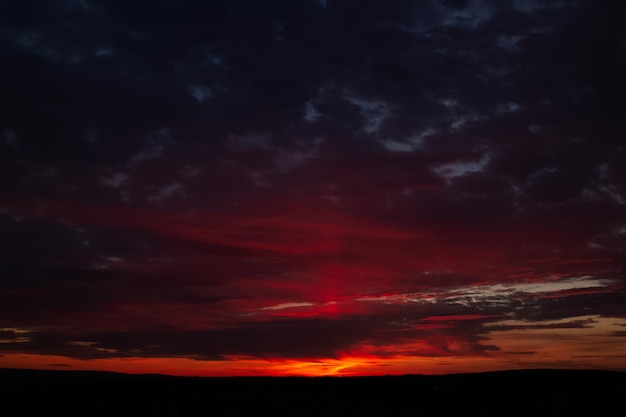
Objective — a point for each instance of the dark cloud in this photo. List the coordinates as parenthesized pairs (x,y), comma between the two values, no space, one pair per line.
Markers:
(300,180)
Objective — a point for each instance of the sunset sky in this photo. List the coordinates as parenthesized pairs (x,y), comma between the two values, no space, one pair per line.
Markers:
(312,187)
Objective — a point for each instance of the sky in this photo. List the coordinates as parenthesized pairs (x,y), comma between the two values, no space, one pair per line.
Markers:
(314,187)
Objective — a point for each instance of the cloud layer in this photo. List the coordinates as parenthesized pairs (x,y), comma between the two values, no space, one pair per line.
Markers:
(327,187)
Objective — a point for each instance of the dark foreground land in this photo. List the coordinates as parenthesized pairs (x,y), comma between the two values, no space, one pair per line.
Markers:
(527,393)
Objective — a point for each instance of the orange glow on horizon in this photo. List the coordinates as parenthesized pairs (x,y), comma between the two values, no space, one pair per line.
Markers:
(345,366)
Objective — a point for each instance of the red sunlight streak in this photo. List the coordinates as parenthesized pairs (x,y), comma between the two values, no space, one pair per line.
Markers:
(457,317)
(288,234)
(303,233)
(329,309)
(433,326)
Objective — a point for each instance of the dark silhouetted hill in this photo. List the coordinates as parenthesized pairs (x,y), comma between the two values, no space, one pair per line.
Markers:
(526,393)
